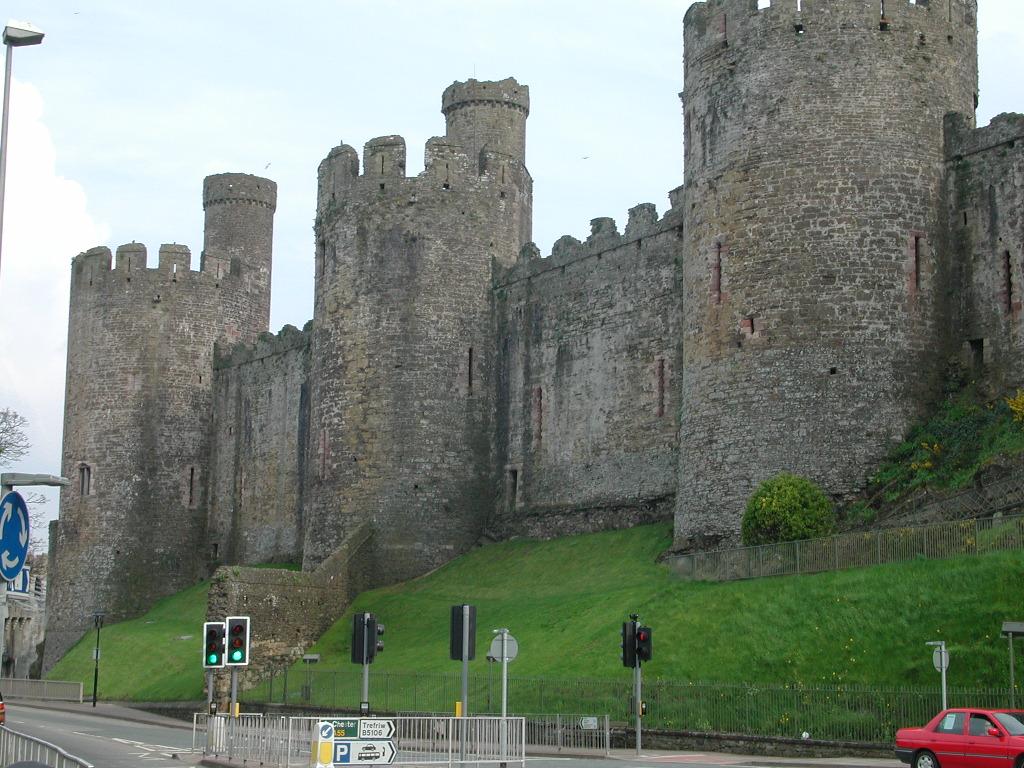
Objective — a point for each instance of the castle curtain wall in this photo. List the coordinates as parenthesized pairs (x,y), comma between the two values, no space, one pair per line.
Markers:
(587,397)
(260,425)
(985,196)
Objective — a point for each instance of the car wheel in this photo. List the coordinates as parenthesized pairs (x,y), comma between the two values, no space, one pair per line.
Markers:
(925,759)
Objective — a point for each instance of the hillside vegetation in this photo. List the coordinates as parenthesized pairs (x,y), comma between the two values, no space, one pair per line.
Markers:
(564,601)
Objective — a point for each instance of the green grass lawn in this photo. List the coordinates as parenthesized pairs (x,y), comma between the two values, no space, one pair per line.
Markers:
(565,601)
(155,657)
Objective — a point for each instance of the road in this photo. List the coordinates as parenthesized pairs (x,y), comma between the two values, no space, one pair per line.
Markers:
(105,742)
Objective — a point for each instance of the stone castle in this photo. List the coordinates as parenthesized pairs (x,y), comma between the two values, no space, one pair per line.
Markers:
(841,233)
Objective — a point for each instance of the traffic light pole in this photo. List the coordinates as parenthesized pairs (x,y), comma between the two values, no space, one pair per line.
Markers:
(465,679)
(234,692)
(209,691)
(637,705)
(364,703)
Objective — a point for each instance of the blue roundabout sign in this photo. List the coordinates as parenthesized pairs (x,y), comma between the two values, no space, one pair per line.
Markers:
(13,535)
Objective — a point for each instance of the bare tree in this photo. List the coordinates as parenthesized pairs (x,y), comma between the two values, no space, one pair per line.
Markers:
(13,441)
(14,445)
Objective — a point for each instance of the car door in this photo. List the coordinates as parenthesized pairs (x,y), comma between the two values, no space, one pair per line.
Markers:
(982,749)
(947,739)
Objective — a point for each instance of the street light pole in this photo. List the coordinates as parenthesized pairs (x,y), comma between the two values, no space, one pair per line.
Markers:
(16,34)
(97,619)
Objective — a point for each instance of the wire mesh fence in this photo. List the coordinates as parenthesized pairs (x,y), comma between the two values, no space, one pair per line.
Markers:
(852,550)
(831,713)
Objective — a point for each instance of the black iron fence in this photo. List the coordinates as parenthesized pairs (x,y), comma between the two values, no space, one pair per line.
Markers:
(852,550)
(832,713)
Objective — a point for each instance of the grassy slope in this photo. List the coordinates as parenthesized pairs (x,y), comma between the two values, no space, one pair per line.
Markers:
(564,601)
(152,658)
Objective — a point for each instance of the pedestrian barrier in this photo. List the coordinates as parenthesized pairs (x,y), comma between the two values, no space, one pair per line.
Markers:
(43,690)
(432,740)
(15,746)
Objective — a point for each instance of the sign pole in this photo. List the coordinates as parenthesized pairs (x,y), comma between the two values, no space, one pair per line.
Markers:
(945,663)
(1012,705)
(504,695)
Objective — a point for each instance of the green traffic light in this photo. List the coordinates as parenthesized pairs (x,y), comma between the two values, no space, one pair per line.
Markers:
(212,658)
(236,655)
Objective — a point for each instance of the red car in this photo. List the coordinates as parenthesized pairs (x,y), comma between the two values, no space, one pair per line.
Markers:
(965,738)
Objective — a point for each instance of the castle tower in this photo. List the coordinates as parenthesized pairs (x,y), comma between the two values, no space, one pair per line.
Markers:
(815,274)
(137,409)
(402,391)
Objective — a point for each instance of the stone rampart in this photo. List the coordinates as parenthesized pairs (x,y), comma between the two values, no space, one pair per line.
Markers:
(587,391)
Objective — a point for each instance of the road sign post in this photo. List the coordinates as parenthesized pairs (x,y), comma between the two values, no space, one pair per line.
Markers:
(1011,629)
(505,648)
(940,660)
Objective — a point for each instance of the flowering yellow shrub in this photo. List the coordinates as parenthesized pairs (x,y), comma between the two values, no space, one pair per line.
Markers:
(1016,404)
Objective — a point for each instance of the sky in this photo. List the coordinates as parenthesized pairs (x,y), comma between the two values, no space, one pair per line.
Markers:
(126,106)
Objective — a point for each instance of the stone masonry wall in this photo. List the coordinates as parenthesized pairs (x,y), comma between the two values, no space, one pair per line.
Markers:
(289,610)
(260,418)
(402,392)
(985,195)
(588,402)
(138,408)
(815,323)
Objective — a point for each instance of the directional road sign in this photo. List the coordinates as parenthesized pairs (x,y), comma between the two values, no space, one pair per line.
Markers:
(336,743)
(368,752)
(376,729)
(13,535)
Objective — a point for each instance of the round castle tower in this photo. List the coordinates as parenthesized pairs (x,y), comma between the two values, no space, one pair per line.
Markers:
(815,274)
(401,400)
(137,408)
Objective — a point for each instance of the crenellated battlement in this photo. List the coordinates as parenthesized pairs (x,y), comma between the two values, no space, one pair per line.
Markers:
(447,168)
(717,25)
(504,93)
(962,139)
(97,269)
(604,237)
(226,188)
(227,355)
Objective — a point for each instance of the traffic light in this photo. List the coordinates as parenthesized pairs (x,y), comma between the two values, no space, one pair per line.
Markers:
(629,644)
(376,639)
(643,643)
(213,644)
(367,638)
(359,638)
(238,641)
(455,630)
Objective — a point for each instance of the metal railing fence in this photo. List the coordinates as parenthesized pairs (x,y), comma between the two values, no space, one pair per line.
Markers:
(15,747)
(287,741)
(569,733)
(852,550)
(47,690)
(827,712)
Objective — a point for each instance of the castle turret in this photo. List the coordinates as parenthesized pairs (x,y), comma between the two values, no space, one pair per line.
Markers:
(402,391)
(137,408)
(815,276)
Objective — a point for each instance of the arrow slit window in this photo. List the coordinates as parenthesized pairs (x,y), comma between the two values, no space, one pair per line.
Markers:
(84,480)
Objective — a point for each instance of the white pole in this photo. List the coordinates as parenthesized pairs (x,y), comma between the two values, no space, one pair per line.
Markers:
(945,663)
(504,694)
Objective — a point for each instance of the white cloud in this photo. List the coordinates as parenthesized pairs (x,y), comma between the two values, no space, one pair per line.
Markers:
(46,222)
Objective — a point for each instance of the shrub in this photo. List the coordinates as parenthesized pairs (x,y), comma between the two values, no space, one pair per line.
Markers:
(787,508)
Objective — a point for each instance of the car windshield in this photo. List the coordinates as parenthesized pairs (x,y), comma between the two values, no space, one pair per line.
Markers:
(1012,722)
